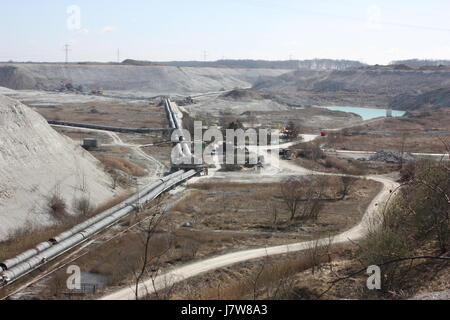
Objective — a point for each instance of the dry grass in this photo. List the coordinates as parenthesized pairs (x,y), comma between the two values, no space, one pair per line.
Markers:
(121,114)
(291,277)
(268,278)
(419,129)
(113,202)
(123,165)
(247,207)
(263,279)
(28,236)
(119,259)
(348,166)
(375,143)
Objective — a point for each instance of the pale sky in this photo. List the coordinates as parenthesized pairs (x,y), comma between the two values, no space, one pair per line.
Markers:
(369,31)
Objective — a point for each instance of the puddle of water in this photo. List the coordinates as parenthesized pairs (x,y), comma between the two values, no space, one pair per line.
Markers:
(96,279)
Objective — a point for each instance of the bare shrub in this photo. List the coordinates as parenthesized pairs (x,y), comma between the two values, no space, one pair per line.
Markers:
(347,183)
(303,197)
(316,252)
(293,131)
(115,177)
(189,249)
(118,178)
(341,165)
(407,172)
(427,198)
(151,256)
(292,194)
(83,206)
(123,165)
(356,168)
(311,151)
(351,167)
(270,278)
(57,206)
(272,210)
(383,245)
(56,286)
(418,217)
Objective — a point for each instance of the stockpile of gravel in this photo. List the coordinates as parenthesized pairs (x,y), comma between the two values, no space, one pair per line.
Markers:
(391,156)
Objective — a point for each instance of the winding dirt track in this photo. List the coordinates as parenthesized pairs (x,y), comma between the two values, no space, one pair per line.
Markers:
(194,269)
(117,141)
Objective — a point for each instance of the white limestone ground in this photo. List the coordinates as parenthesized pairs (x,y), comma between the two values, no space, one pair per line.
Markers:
(216,105)
(36,162)
(134,80)
(61,97)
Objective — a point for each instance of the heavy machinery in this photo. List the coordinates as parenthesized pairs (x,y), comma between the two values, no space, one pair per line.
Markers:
(286,154)
(97,92)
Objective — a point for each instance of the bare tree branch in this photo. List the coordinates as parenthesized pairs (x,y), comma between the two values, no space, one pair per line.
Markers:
(351,275)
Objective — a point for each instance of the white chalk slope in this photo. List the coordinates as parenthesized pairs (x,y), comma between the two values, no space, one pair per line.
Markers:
(35,162)
(146,80)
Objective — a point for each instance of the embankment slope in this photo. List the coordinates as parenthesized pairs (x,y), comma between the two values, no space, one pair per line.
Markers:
(37,162)
(154,80)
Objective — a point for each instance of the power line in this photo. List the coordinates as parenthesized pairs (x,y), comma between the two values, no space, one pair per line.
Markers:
(290,9)
(67,49)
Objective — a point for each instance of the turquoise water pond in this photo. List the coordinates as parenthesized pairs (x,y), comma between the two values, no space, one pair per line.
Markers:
(368,113)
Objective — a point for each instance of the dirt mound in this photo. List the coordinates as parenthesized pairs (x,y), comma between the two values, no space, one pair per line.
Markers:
(38,164)
(240,94)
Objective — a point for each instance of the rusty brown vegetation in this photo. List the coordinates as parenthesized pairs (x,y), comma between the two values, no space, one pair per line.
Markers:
(29,236)
(123,165)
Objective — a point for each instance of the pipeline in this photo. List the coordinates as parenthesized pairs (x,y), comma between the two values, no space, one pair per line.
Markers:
(8,264)
(106,128)
(26,262)
(182,148)
(81,233)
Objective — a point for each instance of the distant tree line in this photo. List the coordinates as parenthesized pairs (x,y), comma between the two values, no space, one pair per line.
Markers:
(422,63)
